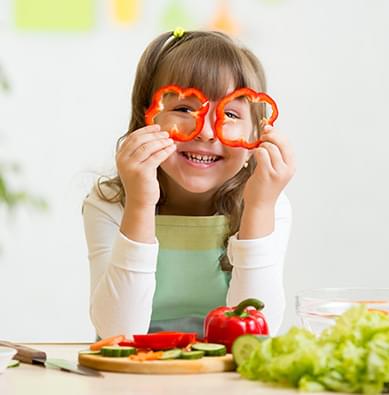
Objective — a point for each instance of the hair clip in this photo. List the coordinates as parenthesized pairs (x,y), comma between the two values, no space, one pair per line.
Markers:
(178,32)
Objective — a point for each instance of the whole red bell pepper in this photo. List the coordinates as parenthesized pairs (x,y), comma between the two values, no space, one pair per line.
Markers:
(224,324)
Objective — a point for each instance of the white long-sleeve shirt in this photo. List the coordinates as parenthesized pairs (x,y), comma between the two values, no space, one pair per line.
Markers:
(123,271)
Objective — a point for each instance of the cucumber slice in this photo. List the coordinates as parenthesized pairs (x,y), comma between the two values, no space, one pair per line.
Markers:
(192,354)
(171,354)
(210,349)
(13,363)
(245,345)
(117,351)
(89,352)
(126,351)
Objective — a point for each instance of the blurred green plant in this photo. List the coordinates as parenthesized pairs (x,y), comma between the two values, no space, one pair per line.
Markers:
(10,198)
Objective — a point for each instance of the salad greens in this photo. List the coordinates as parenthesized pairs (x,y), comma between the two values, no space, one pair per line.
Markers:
(350,356)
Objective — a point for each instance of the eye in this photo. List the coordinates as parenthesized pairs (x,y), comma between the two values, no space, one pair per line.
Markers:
(184,109)
(231,115)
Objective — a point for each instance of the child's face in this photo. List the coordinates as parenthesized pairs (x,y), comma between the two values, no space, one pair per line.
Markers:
(204,164)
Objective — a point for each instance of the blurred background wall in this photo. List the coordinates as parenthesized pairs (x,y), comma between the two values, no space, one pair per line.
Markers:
(70,66)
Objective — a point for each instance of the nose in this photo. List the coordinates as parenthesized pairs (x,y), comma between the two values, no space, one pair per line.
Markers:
(207,132)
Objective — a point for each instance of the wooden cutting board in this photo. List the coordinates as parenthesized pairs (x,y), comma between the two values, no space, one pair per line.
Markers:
(172,366)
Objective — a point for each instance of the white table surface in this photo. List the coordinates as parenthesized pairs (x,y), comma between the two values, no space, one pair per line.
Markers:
(32,379)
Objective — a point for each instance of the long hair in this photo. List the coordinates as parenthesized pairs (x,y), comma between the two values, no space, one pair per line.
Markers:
(197,59)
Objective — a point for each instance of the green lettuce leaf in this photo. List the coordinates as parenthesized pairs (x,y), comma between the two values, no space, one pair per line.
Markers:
(350,356)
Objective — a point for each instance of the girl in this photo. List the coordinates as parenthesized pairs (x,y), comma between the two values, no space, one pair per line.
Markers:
(187,226)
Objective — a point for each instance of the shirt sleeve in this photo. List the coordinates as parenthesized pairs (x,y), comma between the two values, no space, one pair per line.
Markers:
(258,267)
(122,272)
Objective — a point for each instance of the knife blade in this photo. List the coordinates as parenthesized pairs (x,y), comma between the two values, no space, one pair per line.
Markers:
(36,357)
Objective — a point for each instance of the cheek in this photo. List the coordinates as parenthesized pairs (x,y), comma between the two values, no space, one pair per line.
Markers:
(237,157)
(169,164)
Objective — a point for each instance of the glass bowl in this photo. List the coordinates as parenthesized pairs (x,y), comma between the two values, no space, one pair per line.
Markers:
(318,308)
(6,355)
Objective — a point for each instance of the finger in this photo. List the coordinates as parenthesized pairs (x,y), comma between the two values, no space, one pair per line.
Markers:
(275,156)
(148,149)
(131,145)
(282,143)
(267,129)
(264,164)
(146,130)
(160,156)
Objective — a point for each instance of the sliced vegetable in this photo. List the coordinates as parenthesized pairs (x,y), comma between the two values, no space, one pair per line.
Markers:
(210,349)
(117,351)
(252,96)
(244,346)
(157,106)
(224,324)
(146,356)
(13,363)
(98,352)
(108,341)
(164,340)
(192,354)
(187,339)
(178,128)
(127,343)
(171,354)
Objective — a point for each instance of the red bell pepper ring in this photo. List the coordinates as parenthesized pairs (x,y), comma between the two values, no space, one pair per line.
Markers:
(157,106)
(255,97)
(224,324)
(164,340)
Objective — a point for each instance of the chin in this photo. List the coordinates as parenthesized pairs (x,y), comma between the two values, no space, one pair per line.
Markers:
(198,187)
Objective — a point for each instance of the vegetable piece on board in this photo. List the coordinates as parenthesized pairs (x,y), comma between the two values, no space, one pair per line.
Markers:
(164,340)
(108,341)
(13,363)
(146,356)
(171,354)
(245,345)
(224,324)
(90,352)
(117,351)
(192,354)
(127,343)
(187,339)
(210,349)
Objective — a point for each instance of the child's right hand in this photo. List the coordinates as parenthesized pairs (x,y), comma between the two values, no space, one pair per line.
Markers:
(137,160)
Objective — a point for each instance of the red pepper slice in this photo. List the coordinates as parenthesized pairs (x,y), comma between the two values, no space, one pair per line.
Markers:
(224,324)
(157,106)
(255,97)
(188,338)
(127,343)
(164,340)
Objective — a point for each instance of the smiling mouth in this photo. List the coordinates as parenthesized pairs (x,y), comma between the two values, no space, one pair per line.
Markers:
(197,158)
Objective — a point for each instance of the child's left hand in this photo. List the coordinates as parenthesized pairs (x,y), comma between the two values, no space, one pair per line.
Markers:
(275,167)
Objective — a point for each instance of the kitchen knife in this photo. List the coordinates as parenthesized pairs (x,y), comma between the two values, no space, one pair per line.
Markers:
(36,357)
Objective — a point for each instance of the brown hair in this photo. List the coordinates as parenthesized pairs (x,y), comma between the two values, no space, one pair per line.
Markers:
(197,59)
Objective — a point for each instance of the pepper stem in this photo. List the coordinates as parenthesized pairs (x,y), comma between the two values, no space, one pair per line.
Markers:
(259,305)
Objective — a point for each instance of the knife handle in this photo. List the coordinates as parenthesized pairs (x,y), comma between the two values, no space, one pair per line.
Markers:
(24,354)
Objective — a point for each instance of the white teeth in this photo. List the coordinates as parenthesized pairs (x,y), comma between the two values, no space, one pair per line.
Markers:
(200,158)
